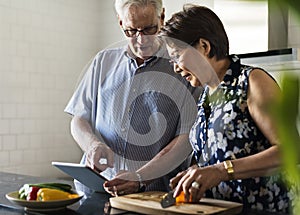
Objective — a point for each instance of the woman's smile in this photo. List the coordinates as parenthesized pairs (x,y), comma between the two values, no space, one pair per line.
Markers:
(188,77)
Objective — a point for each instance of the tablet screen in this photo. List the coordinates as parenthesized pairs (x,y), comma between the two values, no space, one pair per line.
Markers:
(83,174)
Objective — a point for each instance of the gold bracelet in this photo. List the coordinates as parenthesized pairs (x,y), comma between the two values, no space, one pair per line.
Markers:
(229,167)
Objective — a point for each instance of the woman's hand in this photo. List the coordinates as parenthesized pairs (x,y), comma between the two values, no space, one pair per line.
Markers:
(124,183)
(174,181)
(202,178)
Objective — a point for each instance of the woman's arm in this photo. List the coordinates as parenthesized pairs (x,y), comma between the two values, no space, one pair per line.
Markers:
(263,94)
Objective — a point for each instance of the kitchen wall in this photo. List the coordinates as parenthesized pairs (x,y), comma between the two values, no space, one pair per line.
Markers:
(254,34)
(247,33)
(44,46)
(293,29)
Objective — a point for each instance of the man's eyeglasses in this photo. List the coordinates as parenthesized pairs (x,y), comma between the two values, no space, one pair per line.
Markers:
(146,31)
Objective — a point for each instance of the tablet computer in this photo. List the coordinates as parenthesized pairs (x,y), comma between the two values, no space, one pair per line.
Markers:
(83,174)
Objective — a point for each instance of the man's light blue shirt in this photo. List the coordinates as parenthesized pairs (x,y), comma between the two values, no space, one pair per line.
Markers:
(135,110)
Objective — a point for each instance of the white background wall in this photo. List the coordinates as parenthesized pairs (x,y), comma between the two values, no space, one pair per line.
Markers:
(246,32)
(44,45)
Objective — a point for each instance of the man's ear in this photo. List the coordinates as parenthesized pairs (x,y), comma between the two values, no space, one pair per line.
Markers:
(162,16)
(120,23)
(204,46)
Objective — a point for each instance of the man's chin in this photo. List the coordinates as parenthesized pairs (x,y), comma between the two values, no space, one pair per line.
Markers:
(144,55)
(145,52)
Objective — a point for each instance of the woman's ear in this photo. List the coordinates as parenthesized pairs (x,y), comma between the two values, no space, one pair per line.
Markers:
(204,45)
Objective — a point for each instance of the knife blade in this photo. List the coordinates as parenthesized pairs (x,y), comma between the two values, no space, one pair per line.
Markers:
(168,200)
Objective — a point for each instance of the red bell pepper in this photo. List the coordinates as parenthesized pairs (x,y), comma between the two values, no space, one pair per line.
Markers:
(32,195)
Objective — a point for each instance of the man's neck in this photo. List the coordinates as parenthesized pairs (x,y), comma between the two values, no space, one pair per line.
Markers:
(139,61)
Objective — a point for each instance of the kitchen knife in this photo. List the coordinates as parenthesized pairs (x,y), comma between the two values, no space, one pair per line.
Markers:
(168,199)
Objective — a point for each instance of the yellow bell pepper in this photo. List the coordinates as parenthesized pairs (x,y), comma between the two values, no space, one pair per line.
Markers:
(47,194)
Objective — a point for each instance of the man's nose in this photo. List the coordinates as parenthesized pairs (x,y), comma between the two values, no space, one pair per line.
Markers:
(140,35)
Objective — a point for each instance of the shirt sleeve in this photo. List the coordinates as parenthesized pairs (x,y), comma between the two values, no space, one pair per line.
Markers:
(84,97)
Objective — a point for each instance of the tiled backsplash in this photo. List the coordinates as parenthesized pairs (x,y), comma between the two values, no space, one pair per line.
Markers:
(294,29)
(44,44)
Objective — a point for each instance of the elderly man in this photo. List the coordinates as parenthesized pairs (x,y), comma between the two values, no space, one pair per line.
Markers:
(131,108)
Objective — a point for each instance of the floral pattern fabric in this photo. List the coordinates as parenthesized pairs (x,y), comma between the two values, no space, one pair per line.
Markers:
(224,129)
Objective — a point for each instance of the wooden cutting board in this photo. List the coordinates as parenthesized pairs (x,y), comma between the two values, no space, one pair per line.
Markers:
(149,203)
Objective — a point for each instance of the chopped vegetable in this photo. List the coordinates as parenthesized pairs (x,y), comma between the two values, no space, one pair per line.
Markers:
(181,199)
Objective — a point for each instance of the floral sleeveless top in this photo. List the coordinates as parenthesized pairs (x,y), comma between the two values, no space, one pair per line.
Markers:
(224,129)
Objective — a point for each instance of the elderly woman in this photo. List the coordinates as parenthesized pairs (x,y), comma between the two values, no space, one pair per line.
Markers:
(235,139)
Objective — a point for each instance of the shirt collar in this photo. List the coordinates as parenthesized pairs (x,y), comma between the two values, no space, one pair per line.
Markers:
(160,53)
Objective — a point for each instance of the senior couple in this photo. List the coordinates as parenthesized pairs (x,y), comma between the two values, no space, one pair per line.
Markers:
(173,110)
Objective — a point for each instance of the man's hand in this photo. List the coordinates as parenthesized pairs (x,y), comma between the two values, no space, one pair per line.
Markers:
(96,152)
(99,157)
(122,184)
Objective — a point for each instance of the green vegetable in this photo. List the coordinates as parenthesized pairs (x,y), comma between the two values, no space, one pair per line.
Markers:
(57,186)
(22,195)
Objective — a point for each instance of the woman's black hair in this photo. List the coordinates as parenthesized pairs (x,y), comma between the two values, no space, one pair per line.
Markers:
(195,22)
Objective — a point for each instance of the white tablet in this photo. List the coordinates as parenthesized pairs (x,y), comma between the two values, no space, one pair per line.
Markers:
(83,174)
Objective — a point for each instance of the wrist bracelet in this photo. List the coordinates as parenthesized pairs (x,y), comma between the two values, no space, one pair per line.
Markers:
(142,185)
(229,167)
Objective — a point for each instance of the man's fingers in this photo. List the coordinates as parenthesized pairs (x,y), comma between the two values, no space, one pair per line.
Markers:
(110,159)
(100,167)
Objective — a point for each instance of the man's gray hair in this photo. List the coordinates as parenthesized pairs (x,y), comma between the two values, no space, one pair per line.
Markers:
(121,5)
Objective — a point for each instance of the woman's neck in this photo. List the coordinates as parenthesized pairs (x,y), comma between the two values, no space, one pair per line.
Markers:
(220,67)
